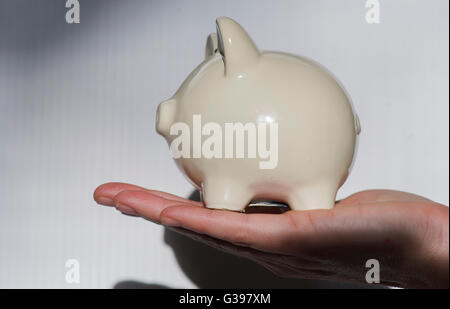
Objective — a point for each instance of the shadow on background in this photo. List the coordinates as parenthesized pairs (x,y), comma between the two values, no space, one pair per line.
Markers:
(30,27)
(207,267)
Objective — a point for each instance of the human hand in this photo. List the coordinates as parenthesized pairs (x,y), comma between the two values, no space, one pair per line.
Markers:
(406,233)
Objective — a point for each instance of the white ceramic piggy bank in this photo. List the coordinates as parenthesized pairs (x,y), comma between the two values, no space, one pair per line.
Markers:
(256,126)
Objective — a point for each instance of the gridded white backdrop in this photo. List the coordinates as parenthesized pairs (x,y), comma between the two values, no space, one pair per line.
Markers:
(77,108)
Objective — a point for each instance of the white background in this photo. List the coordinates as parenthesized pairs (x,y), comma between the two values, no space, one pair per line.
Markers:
(77,108)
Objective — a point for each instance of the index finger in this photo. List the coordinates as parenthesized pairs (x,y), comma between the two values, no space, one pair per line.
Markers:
(105,193)
(265,232)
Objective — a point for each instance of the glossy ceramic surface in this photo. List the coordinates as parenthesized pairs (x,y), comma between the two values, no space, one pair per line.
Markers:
(236,83)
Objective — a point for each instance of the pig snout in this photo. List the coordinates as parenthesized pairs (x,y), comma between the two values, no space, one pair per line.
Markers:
(164,117)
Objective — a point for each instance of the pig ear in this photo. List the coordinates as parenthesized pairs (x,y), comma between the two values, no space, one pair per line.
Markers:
(235,45)
(212,46)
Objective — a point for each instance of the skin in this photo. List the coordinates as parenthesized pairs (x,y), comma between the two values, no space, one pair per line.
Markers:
(406,233)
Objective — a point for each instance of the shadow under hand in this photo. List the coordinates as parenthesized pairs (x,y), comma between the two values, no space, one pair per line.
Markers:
(138,285)
(208,267)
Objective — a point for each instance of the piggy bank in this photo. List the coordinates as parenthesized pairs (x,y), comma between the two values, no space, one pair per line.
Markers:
(251,126)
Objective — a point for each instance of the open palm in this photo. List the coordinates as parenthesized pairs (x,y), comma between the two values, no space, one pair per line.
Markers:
(406,233)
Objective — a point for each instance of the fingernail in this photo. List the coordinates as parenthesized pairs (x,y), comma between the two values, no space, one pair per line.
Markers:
(126,209)
(104,201)
(169,221)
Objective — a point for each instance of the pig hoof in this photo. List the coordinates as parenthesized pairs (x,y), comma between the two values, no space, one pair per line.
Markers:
(314,197)
(225,195)
(233,207)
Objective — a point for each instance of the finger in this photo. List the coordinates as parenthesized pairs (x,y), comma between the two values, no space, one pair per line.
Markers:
(218,244)
(271,261)
(264,232)
(227,247)
(147,204)
(283,260)
(105,193)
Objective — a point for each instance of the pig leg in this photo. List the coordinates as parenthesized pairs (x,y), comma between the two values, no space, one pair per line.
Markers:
(318,196)
(225,194)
